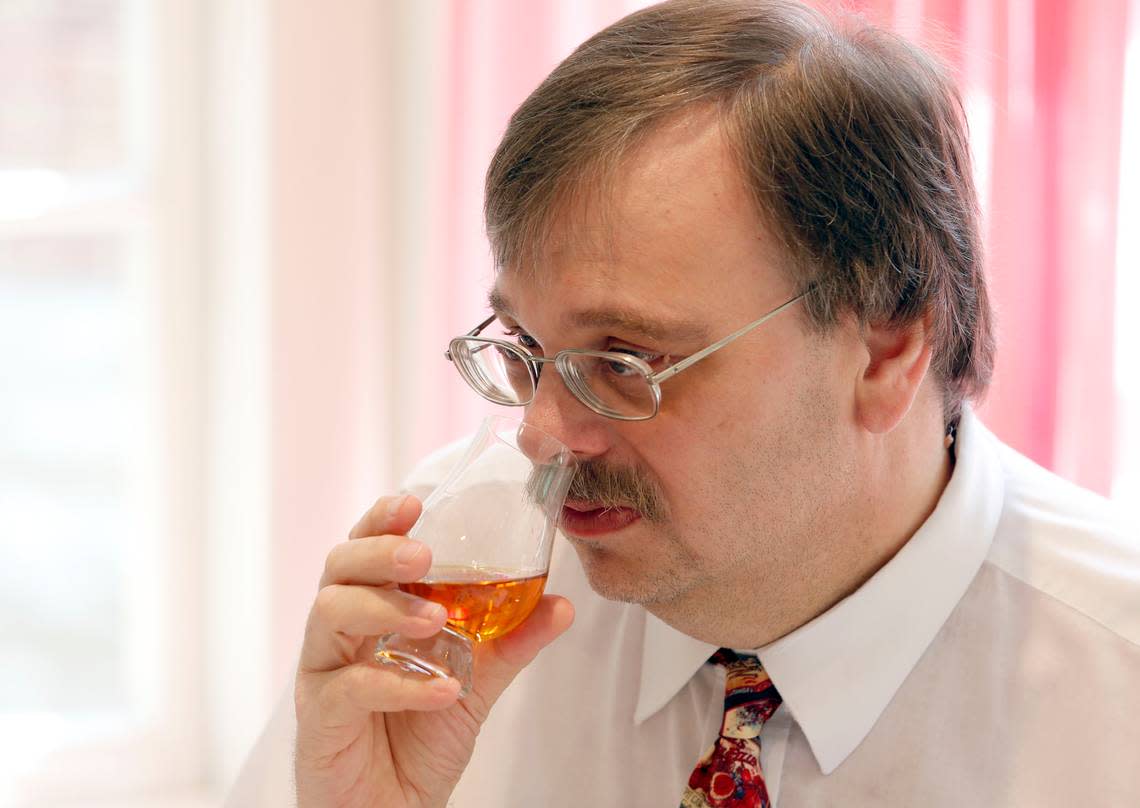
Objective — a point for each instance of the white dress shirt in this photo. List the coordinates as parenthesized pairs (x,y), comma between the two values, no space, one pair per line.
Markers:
(994,661)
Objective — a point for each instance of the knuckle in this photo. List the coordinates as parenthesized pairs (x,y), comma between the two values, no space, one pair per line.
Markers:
(353,683)
(364,687)
(409,691)
(331,695)
(327,604)
(333,561)
(338,690)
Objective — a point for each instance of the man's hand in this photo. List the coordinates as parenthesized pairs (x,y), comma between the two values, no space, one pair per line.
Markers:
(369,734)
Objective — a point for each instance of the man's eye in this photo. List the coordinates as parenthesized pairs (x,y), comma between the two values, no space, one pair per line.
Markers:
(620,369)
(525,340)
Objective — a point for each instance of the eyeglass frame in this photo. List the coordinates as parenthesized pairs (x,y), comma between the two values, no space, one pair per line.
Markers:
(654,380)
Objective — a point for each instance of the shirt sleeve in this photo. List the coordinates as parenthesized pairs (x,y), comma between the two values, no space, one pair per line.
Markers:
(266,778)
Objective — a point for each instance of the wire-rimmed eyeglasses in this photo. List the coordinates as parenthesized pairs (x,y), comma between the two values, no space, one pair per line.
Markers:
(616,385)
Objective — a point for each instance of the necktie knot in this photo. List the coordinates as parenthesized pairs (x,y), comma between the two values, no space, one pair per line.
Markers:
(750,698)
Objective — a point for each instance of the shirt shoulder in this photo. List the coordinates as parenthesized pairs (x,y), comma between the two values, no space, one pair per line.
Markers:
(429,472)
(1069,544)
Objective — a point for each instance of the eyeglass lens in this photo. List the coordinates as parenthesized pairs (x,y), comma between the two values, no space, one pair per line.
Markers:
(607,384)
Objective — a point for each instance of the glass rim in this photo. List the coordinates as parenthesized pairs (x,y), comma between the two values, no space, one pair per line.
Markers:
(519,424)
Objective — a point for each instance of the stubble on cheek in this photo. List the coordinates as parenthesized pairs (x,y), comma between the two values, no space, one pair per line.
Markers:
(775,500)
(652,568)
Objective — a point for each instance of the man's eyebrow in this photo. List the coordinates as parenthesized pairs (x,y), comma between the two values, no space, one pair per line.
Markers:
(625,321)
(621,320)
(499,303)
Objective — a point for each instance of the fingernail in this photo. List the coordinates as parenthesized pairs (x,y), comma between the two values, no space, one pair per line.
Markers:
(409,551)
(429,611)
(395,505)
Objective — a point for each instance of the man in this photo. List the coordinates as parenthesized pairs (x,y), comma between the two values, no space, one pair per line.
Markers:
(807,575)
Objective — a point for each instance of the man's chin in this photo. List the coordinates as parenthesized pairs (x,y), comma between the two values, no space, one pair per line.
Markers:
(614,576)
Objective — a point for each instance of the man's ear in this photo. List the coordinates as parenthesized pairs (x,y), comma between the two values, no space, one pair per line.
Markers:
(898,359)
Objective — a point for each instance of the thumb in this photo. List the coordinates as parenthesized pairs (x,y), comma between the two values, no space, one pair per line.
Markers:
(499,661)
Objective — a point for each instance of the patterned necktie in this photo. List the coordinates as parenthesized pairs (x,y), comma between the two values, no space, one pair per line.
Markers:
(728,775)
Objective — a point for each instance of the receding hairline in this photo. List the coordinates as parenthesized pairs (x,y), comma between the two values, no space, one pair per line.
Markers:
(580,207)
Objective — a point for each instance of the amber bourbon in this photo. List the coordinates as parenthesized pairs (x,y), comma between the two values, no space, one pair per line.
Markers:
(481,602)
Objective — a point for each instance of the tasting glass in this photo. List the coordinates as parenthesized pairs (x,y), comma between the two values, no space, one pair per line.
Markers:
(490,526)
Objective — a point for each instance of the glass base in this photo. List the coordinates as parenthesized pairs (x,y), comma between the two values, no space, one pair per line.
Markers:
(447,654)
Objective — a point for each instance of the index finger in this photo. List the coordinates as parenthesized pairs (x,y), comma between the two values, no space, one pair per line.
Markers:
(394,515)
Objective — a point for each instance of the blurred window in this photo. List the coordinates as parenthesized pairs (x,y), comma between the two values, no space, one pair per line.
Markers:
(65,99)
(83,467)
(63,472)
(64,353)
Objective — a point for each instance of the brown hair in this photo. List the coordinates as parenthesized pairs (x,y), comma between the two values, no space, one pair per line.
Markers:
(853,142)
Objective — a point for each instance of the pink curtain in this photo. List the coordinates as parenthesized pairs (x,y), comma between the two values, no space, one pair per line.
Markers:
(1043,83)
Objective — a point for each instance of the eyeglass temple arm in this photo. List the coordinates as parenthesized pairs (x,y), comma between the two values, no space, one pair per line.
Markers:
(474,332)
(689,361)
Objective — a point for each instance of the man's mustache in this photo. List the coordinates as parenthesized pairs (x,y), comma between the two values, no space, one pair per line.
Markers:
(610,486)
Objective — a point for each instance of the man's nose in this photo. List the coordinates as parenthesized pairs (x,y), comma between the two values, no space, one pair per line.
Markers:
(555,411)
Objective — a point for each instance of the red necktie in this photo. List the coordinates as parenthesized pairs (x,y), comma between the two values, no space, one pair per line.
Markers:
(728,775)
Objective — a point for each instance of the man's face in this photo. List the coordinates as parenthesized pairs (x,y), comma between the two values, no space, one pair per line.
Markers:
(744,473)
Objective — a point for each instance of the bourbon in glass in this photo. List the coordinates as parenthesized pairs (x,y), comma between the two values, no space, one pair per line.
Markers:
(482,603)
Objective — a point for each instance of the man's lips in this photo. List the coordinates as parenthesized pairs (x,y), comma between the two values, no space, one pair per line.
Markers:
(581,518)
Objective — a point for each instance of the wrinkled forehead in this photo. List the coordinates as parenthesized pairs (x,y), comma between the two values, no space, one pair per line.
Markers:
(611,209)
(595,267)
(672,230)
(581,228)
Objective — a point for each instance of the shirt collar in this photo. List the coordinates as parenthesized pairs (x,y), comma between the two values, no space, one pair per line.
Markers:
(669,658)
(838,672)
